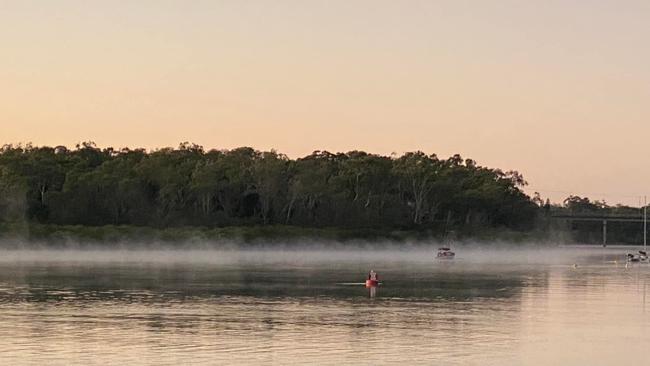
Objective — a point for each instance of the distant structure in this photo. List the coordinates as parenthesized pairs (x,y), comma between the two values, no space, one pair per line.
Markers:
(604,219)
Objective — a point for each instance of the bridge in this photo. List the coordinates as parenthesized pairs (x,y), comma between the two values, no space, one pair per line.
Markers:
(601,218)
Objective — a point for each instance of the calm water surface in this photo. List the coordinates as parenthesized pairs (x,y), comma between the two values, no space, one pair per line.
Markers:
(524,307)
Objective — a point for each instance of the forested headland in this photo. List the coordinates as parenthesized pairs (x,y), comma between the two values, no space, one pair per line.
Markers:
(47,191)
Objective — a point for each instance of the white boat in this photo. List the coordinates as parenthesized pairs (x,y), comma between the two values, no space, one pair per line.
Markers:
(445,253)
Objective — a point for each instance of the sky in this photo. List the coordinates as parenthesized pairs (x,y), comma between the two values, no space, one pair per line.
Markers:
(558,90)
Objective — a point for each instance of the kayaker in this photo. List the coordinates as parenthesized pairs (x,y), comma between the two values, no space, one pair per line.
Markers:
(372,276)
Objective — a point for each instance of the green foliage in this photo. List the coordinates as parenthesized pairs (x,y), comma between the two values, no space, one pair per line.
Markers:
(12,196)
(191,187)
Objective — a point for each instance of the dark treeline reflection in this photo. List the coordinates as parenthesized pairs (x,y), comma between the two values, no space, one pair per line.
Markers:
(189,186)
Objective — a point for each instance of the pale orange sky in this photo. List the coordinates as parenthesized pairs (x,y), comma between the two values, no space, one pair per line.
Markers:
(559,90)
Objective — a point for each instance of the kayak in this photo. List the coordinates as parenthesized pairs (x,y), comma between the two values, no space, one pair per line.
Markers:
(372,283)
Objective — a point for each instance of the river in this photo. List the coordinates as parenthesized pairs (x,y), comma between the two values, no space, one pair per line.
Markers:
(492,306)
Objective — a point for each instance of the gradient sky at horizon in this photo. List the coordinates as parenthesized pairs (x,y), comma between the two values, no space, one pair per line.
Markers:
(559,90)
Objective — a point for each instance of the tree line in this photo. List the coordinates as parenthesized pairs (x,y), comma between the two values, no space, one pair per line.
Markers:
(191,186)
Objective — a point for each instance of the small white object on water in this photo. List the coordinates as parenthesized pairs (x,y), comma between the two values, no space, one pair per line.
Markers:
(575,265)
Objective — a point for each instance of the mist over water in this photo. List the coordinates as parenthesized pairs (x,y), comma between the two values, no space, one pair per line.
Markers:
(291,304)
(476,253)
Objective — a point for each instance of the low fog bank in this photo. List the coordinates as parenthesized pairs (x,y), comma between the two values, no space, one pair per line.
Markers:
(305,244)
(311,252)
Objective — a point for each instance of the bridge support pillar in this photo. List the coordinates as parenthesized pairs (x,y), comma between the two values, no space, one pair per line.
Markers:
(604,233)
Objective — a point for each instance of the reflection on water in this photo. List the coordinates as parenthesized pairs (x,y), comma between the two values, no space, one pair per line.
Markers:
(169,308)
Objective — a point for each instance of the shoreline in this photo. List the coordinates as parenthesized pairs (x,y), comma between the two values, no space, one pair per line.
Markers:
(109,235)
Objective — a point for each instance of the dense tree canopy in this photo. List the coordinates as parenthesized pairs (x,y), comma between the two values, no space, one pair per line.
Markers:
(190,186)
